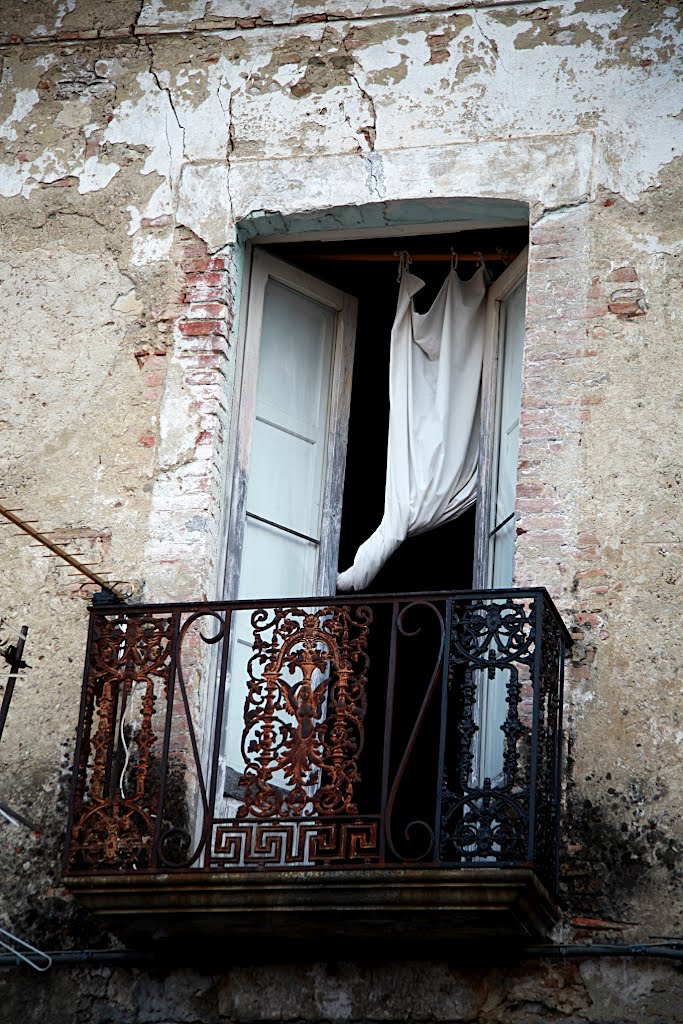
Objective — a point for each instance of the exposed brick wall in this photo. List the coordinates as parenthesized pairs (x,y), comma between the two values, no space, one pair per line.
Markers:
(190,483)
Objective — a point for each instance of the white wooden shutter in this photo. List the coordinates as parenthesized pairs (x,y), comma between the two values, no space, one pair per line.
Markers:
(291,452)
(496,520)
(502,523)
(284,498)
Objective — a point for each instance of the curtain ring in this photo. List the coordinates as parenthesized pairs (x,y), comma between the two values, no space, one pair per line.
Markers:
(482,262)
(454,259)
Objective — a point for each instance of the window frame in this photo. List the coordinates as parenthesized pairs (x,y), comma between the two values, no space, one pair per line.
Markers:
(263,266)
(499,291)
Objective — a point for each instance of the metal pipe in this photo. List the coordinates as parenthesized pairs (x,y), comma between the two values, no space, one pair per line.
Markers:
(672,951)
(100,957)
(16,664)
(140,958)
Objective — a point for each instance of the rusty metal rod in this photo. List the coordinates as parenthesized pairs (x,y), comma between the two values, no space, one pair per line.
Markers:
(58,551)
(417,257)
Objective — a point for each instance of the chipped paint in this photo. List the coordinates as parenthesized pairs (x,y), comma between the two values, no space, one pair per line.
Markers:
(24,101)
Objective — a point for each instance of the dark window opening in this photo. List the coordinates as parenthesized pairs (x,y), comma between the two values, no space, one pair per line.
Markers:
(441,559)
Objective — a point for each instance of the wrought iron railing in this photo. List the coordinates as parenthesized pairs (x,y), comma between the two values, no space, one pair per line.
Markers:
(385,730)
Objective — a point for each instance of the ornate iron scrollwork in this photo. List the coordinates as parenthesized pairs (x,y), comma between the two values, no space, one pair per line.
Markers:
(303,734)
(492,640)
(114,802)
(303,715)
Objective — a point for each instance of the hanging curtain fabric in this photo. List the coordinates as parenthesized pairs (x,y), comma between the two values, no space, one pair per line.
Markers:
(434,392)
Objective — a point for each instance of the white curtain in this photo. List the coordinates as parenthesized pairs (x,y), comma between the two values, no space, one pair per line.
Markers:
(434,392)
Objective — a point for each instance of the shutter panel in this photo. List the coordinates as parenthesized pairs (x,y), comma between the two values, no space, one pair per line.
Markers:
(288,447)
(502,532)
(502,535)
(293,446)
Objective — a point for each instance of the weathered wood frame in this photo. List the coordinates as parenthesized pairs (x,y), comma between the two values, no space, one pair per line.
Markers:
(490,415)
(259,268)
(263,268)
(488,458)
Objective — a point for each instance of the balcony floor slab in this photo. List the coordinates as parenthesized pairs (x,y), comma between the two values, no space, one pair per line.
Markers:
(416,906)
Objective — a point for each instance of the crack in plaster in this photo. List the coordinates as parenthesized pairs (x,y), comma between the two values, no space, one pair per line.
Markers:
(166,89)
(230,149)
(136,19)
(492,44)
(372,159)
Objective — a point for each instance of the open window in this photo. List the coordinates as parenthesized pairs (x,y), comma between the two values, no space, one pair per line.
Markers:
(312,423)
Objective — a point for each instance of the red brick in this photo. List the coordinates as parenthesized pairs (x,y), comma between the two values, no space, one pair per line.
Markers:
(212,343)
(548,540)
(201,377)
(210,360)
(624,274)
(626,310)
(206,293)
(191,249)
(208,279)
(594,292)
(204,264)
(529,490)
(194,327)
(207,311)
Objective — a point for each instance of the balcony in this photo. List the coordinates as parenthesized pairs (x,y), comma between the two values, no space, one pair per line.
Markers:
(398,772)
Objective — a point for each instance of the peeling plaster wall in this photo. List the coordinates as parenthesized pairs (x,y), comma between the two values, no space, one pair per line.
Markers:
(137,136)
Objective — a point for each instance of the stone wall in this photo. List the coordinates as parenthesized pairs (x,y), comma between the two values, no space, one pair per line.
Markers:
(142,138)
(603,992)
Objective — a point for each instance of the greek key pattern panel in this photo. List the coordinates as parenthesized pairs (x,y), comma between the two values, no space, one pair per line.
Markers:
(294,842)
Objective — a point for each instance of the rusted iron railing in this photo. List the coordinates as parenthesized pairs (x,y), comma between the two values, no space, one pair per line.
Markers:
(383,730)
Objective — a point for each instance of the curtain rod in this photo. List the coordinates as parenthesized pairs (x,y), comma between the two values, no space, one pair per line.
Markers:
(418,257)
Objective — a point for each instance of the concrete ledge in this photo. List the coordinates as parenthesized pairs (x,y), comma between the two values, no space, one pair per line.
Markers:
(342,907)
